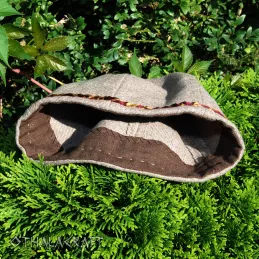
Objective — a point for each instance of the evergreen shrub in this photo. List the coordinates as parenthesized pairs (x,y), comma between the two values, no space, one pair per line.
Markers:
(225,32)
(85,211)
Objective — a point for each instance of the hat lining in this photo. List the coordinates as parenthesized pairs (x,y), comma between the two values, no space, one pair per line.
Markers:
(45,142)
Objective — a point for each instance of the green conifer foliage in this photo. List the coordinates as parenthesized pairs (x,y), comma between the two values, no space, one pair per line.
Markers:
(84,211)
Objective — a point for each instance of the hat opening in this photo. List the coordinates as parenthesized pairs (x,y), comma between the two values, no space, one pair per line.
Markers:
(184,146)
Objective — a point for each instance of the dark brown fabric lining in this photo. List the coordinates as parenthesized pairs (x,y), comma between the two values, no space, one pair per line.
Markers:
(134,153)
(36,135)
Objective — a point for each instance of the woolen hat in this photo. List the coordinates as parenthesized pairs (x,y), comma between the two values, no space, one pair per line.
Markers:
(169,127)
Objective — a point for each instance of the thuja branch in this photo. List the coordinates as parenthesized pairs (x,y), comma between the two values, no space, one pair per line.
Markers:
(18,71)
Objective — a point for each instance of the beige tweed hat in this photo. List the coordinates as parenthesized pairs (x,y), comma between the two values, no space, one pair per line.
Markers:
(169,127)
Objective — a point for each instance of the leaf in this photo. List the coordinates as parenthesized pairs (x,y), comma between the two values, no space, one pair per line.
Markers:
(240,20)
(16,50)
(154,72)
(212,43)
(38,33)
(248,50)
(226,37)
(3,46)
(133,5)
(81,23)
(111,55)
(185,7)
(256,32)
(255,35)
(50,62)
(3,73)
(178,66)
(235,79)
(106,34)
(187,58)
(15,32)
(200,67)
(54,63)
(135,66)
(235,47)
(41,66)
(117,16)
(249,32)
(31,50)
(58,43)
(240,35)
(6,9)
(195,9)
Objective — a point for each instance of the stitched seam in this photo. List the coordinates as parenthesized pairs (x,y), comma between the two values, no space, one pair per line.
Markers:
(142,161)
(120,84)
(195,160)
(119,157)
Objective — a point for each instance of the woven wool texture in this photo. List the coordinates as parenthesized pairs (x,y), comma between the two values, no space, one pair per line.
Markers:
(169,127)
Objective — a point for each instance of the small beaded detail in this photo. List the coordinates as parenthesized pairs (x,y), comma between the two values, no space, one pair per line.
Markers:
(129,104)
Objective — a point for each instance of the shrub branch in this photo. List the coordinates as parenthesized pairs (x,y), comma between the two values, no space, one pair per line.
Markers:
(18,71)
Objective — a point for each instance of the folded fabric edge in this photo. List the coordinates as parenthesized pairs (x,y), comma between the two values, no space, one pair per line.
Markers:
(129,104)
(195,110)
(145,173)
